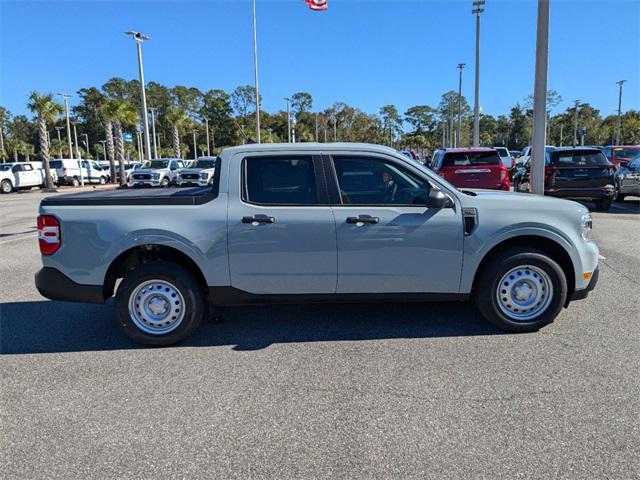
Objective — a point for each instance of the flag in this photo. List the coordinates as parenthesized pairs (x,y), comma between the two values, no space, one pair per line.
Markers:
(317,5)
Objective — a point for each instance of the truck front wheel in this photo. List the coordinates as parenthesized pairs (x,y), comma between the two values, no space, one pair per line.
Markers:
(521,290)
(159,303)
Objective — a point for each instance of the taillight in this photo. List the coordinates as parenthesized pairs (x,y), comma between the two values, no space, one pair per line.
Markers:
(504,173)
(48,234)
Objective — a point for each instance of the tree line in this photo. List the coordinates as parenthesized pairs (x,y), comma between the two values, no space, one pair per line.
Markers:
(102,116)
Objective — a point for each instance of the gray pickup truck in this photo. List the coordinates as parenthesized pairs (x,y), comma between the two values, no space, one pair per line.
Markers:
(314,223)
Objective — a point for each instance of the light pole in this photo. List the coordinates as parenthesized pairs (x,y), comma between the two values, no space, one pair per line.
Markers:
(66,96)
(195,149)
(153,111)
(139,38)
(59,141)
(317,127)
(104,148)
(139,140)
(75,137)
(206,127)
(86,139)
(621,82)
(575,123)
(213,139)
(540,99)
(288,119)
(477,10)
(461,67)
(255,73)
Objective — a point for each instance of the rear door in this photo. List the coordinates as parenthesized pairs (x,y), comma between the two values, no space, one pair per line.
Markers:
(581,169)
(473,169)
(387,241)
(281,230)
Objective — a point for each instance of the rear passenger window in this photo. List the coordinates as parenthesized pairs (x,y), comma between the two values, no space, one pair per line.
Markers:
(471,159)
(280,181)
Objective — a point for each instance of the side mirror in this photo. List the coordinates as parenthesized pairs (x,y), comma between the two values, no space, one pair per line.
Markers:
(434,199)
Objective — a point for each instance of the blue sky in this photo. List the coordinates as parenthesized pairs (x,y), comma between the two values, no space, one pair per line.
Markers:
(365,53)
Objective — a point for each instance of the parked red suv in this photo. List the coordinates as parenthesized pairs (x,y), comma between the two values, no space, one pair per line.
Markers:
(620,155)
(473,167)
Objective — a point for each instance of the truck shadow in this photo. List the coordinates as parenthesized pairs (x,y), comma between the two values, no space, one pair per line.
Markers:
(48,327)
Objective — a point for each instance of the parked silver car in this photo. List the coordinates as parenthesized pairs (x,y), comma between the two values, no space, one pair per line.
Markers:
(199,175)
(157,173)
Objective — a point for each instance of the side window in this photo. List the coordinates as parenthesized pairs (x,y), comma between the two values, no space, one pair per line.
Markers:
(85,164)
(279,181)
(180,165)
(16,168)
(27,167)
(172,165)
(374,181)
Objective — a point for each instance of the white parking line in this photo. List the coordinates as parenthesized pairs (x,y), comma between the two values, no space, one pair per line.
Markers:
(21,237)
(601,257)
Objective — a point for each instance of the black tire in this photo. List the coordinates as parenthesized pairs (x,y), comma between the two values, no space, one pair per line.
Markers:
(103,180)
(75,182)
(6,186)
(487,286)
(184,282)
(604,204)
(619,196)
(165,182)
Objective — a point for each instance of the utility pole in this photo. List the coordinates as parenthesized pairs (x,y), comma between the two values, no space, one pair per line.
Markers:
(153,111)
(540,99)
(86,139)
(620,83)
(255,73)
(561,136)
(104,148)
(288,119)
(213,139)
(59,141)
(195,149)
(75,136)
(206,128)
(477,10)
(139,38)
(460,67)
(139,139)
(575,123)
(317,127)
(66,96)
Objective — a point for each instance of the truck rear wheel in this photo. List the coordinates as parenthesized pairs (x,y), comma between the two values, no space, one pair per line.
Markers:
(521,290)
(159,303)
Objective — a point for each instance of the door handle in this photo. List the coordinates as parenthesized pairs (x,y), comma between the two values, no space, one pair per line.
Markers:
(259,219)
(363,219)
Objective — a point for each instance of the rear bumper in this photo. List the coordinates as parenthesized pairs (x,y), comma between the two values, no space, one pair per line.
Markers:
(630,189)
(584,293)
(581,193)
(55,285)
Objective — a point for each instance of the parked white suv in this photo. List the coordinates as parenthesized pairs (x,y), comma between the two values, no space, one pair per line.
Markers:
(68,171)
(157,173)
(23,175)
(198,175)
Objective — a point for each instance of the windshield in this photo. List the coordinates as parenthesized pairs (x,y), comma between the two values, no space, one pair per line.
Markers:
(625,152)
(468,159)
(55,163)
(579,159)
(634,165)
(5,167)
(158,164)
(205,164)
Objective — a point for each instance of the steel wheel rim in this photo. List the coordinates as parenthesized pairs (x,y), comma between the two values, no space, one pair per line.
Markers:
(6,187)
(524,293)
(156,307)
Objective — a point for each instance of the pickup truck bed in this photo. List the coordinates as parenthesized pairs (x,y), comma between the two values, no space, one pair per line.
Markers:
(136,196)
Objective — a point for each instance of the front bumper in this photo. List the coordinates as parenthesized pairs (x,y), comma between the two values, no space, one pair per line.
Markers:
(584,293)
(146,183)
(192,183)
(55,285)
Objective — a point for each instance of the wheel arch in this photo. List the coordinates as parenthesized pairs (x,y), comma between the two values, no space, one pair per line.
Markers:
(141,254)
(554,249)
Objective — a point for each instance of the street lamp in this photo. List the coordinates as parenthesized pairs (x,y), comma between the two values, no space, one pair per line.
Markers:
(255,73)
(66,96)
(86,139)
(195,149)
(621,82)
(288,119)
(153,130)
(575,123)
(75,136)
(139,38)
(104,148)
(477,10)
(461,67)
(206,125)
(59,141)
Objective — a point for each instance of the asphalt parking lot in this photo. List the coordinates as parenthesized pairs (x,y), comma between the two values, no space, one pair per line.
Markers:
(322,391)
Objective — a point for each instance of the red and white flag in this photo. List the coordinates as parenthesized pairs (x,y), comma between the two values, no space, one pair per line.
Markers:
(318,5)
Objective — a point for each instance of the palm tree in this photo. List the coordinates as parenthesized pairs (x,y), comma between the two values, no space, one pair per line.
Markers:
(120,112)
(47,110)
(177,119)
(105,112)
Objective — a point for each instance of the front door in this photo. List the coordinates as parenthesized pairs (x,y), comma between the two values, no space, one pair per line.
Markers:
(387,241)
(282,237)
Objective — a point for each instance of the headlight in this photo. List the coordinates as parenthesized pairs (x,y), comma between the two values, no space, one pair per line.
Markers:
(586,224)
(204,176)
(621,176)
